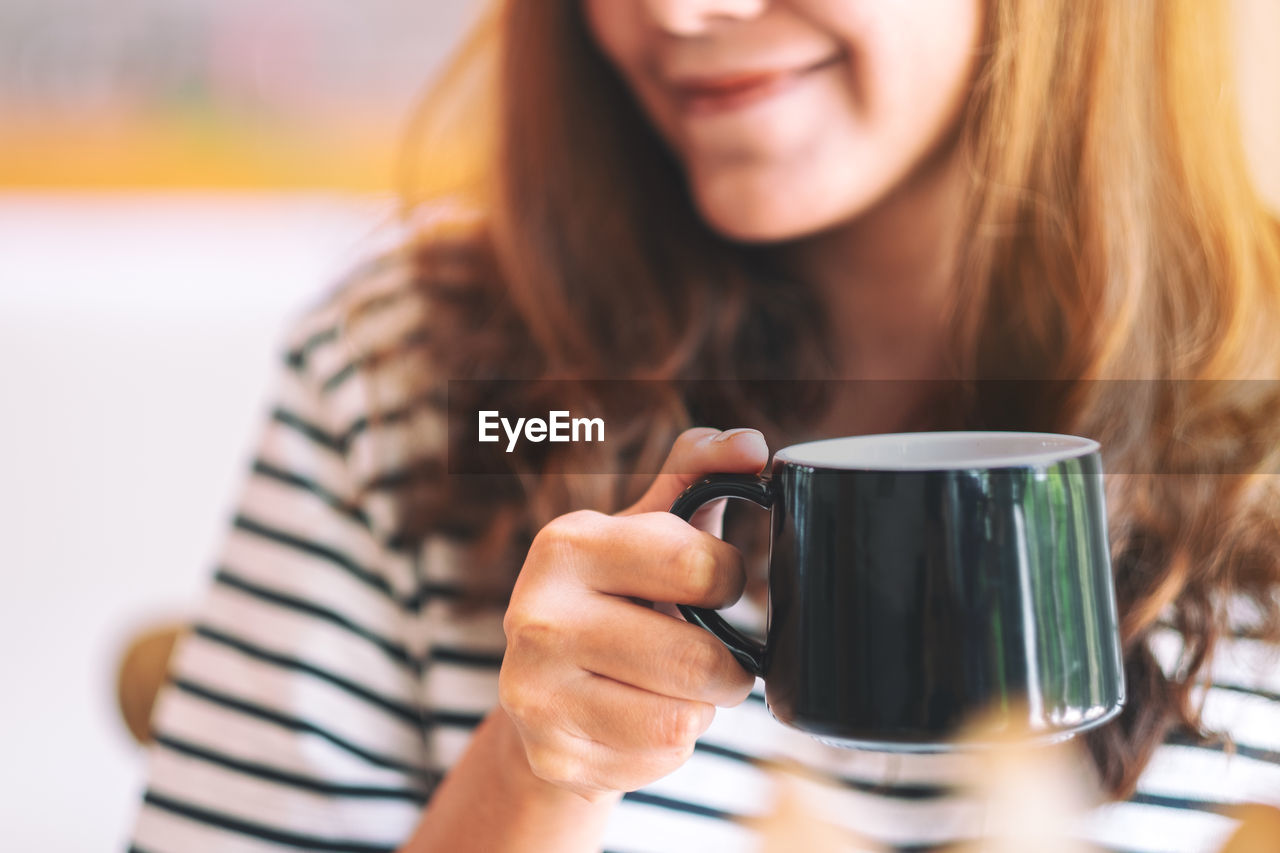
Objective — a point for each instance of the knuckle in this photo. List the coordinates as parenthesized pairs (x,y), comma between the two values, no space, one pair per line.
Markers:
(528,635)
(556,766)
(679,724)
(515,696)
(698,663)
(512,700)
(511,622)
(699,573)
(583,522)
(563,532)
(681,754)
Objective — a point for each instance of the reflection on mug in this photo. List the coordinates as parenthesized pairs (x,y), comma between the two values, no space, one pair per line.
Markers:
(919,579)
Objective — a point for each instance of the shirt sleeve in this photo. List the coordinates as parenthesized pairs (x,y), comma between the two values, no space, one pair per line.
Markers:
(292,716)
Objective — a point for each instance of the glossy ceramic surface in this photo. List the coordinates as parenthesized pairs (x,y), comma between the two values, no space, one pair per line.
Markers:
(904,602)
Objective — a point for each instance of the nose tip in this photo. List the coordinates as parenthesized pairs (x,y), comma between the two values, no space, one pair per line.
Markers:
(695,17)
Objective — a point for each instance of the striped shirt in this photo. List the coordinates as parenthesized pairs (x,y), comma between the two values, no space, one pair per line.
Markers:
(331,678)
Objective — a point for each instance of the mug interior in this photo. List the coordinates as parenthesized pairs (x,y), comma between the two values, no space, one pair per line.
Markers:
(938,451)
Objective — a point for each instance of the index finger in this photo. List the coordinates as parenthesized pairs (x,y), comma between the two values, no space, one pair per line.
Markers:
(697,453)
(658,557)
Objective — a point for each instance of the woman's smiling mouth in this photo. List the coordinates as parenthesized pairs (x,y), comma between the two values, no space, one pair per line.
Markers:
(718,93)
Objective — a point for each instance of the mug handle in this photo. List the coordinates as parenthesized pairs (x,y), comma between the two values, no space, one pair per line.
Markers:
(748,651)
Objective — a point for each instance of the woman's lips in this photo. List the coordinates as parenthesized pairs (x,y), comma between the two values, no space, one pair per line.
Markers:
(725,92)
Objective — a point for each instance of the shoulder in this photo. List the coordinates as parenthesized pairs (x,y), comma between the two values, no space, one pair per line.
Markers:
(390,288)
(325,336)
(382,323)
(374,356)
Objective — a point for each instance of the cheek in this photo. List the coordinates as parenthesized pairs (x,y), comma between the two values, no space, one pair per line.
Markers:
(909,73)
(615,28)
(909,59)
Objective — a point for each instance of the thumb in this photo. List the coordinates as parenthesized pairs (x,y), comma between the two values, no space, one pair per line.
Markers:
(697,453)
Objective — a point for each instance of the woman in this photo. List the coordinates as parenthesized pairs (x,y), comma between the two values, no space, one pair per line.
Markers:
(937,190)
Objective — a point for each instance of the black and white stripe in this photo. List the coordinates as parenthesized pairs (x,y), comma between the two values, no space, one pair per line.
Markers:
(331,678)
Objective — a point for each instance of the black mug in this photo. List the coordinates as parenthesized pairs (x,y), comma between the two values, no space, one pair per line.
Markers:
(917,580)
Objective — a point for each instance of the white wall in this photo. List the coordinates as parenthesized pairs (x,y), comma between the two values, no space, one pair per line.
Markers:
(138,338)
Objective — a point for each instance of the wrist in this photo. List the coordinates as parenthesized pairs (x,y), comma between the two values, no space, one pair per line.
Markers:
(492,801)
(526,786)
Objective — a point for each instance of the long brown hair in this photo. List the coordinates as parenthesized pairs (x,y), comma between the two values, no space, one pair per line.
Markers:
(1117,269)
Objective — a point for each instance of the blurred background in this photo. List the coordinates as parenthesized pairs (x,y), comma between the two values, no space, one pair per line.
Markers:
(179,178)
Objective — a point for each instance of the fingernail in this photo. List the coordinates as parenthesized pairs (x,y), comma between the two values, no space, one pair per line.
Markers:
(730,433)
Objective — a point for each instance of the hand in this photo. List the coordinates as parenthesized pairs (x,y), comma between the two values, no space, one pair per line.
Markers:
(607,693)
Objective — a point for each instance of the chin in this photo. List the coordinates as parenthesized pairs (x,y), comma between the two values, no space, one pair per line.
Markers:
(770,213)
(765,223)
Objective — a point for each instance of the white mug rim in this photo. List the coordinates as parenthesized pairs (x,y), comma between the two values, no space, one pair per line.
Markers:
(989,449)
